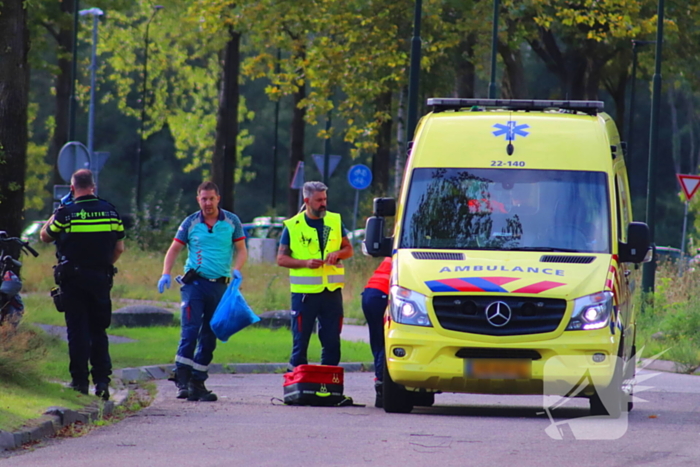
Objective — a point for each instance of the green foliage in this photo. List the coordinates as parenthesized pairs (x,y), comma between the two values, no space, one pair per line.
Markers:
(38,171)
(153,227)
(20,351)
(672,315)
(184,70)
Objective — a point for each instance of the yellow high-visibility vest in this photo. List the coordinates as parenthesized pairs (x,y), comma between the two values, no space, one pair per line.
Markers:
(303,241)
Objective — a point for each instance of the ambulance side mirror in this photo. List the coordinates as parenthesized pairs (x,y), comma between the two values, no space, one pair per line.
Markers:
(375,243)
(384,207)
(638,248)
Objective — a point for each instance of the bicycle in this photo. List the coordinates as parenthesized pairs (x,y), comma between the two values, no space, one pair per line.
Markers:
(11,306)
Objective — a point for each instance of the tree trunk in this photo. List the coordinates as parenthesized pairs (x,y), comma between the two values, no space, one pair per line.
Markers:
(675,132)
(546,47)
(618,90)
(381,159)
(14,88)
(513,85)
(223,166)
(296,146)
(64,39)
(692,155)
(465,73)
(400,141)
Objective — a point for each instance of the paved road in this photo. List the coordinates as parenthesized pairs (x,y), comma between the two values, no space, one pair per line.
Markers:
(246,428)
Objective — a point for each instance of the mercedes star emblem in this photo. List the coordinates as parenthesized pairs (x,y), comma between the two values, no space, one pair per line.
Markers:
(498,314)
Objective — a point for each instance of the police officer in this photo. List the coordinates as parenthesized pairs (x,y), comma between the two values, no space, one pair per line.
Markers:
(210,235)
(89,239)
(311,246)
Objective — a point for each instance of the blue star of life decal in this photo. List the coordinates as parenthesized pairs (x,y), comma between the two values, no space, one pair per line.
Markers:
(511,130)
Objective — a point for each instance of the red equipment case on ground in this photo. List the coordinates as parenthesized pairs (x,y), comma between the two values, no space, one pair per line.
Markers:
(314,385)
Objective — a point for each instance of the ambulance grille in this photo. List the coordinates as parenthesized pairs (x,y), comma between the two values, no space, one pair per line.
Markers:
(567,259)
(438,255)
(528,315)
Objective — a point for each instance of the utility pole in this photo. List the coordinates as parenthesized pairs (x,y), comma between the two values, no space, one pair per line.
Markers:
(327,150)
(494,48)
(649,271)
(72,103)
(96,13)
(276,140)
(414,75)
(144,98)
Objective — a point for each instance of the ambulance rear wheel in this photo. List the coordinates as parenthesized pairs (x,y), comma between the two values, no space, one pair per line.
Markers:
(423,399)
(396,398)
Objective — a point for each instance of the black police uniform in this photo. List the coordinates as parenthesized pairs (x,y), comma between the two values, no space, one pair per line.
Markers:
(86,233)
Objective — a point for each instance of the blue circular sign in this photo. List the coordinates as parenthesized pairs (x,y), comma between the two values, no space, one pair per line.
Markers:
(359,176)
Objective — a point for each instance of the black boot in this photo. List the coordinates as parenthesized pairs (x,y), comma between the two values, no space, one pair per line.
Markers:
(199,392)
(102,391)
(82,388)
(182,379)
(379,389)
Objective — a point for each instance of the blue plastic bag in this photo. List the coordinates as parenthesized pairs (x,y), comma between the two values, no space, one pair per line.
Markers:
(233,313)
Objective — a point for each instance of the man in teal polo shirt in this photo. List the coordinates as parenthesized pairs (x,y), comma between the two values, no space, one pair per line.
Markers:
(210,235)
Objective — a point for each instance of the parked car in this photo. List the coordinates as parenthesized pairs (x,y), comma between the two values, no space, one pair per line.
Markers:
(667,253)
(264,227)
(356,236)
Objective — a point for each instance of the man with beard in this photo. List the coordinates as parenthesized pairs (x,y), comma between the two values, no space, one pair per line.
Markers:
(312,245)
(211,235)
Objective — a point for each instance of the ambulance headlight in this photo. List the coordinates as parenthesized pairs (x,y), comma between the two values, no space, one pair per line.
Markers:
(408,307)
(591,312)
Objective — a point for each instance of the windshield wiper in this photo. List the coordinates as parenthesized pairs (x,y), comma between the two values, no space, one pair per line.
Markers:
(542,248)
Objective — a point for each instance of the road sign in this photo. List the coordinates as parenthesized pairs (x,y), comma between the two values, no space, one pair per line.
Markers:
(689,183)
(100,159)
(59,191)
(359,176)
(333,161)
(298,179)
(72,156)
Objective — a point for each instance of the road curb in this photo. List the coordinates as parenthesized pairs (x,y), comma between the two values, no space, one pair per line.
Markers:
(146,373)
(667,366)
(57,418)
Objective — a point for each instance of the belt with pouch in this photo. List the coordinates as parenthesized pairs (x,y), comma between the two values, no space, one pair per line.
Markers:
(219,280)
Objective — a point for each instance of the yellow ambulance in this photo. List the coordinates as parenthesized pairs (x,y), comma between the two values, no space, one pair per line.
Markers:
(512,248)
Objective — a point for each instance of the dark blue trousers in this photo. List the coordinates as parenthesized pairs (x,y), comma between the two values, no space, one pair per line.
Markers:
(374,304)
(327,307)
(197,341)
(88,315)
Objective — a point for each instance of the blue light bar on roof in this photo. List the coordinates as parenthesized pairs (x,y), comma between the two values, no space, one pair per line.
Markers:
(440,104)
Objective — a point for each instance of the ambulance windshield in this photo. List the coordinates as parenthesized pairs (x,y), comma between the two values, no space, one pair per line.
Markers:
(503,209)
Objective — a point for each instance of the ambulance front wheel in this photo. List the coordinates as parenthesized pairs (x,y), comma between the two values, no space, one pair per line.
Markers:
(396,398)
(611,401)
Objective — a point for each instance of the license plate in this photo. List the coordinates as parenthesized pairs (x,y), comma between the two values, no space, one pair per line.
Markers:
(492,368)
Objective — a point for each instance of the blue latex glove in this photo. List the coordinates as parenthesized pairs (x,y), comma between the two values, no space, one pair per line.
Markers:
(237,274)
(164,283)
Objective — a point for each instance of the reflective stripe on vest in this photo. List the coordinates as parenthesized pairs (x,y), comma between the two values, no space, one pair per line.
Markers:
(304,244)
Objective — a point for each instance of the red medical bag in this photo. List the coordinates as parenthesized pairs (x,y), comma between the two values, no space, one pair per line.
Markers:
(320,385)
